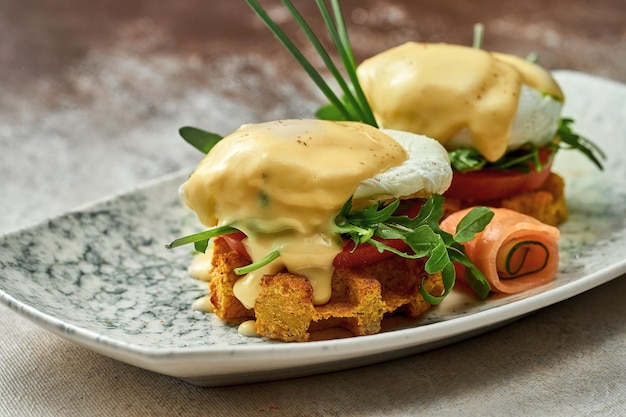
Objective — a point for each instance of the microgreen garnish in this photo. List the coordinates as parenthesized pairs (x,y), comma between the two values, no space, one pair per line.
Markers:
(532,57)
(574,141)
(273,255)
(353,105)
(200,240)
(479,30)
(200,139)
(466,159)
(423,236)
(201,243)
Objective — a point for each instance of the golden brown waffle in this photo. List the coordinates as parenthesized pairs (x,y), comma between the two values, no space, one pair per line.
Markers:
(547,204)
(361,297)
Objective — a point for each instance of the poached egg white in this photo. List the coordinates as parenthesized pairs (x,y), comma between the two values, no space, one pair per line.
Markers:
(426,171)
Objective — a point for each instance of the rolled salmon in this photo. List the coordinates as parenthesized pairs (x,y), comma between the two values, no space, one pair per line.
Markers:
(515,252)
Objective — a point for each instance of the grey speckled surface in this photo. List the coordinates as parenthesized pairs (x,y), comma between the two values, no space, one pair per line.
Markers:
(92,96)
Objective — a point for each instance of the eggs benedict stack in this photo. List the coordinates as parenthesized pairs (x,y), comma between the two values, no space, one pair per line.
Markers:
(279,193)
(464,97)
(496,114)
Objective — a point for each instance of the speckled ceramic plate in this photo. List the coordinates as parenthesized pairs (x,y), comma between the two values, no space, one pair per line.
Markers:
(101,277)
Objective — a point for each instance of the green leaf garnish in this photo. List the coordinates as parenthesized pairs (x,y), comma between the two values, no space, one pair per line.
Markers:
(533,57)
(201,245)
(574,141)
(473,276)
(423,236)
(466,159)
(473,223)
(354,105)
(479,30)
(200,139)
(200,239)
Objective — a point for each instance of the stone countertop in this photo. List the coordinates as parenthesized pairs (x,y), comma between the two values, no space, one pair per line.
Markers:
(92,97)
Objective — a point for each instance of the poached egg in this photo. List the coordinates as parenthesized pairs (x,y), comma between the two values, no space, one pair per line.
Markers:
(462,96)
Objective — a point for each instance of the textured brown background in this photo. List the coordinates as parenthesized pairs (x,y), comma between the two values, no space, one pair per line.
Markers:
(91,96)
(44,38)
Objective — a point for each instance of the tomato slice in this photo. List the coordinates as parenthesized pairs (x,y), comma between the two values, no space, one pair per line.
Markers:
(234,240)
(494,184)
(348,257)
(366,254)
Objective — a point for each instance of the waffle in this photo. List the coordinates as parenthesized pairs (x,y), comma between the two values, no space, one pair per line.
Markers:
(360,298)
(547,203)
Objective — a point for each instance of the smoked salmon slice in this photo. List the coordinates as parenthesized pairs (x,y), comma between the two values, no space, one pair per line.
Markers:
(515,252)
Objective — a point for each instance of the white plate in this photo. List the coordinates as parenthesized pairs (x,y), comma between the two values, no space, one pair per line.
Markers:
(101,277)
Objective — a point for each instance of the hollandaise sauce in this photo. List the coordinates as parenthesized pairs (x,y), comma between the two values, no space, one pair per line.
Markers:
(439,90)
(282,183)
